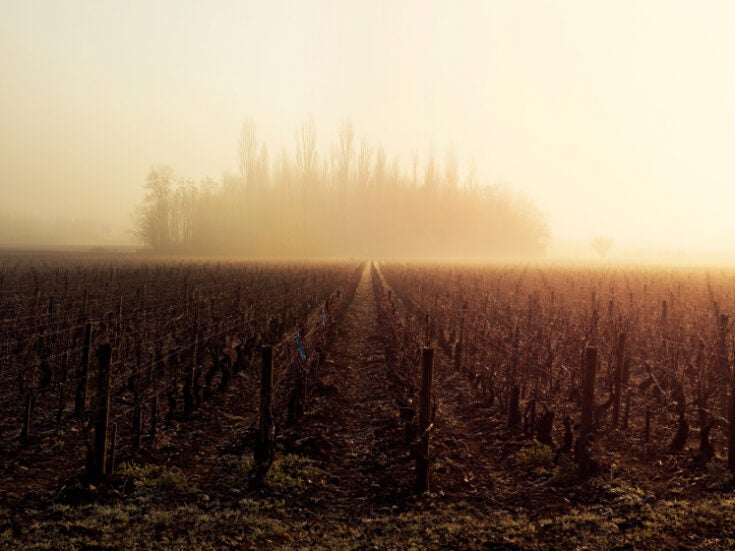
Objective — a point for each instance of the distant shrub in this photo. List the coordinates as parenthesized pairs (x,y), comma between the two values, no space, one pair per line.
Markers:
(719,475)
(536,456)
(154,476)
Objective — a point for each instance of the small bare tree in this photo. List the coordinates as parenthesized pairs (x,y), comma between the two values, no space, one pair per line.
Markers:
(430,172)
(380,167)
(307,158)
(471,179)
(248,154)
(415,167)
(364,164)
(451,169)
(345,153)
(155,216)
(602,245)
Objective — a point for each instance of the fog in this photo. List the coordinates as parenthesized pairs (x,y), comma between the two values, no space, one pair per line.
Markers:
(353,202)
(615,119)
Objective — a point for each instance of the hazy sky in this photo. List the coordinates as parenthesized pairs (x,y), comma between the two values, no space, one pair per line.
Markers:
(617,118)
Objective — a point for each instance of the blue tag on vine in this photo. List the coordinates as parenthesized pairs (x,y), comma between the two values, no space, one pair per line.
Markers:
(300,346)
(324,317)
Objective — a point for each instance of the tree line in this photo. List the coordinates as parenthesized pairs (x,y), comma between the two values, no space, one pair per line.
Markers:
(353,201)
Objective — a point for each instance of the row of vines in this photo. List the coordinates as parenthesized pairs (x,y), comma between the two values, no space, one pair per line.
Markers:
(586,361)
(147,343)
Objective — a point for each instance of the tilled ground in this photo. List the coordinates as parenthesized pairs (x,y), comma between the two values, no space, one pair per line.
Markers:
(343,479)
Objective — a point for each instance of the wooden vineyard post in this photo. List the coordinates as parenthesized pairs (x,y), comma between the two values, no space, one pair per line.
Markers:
(264,446)
(154,417)
(514,413)
(186,295)
(134,381)
(27,416)
(154,401)
(723,361)
(118,332)
(81,396)
(85,302)
(113,450)
(588,388)
(731,425)
(189,397)
(98,462)
(137,431)
(582,454)
(423,457)
(62,382)
(618,380)
(459,349)
(60,402)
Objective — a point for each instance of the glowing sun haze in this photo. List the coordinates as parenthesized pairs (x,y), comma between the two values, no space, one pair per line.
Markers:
(616,118)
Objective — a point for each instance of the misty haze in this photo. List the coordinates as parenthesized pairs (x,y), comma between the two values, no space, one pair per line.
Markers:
(347,275)
(353,203)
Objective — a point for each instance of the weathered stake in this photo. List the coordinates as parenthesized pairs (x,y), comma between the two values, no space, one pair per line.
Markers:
(189,397)
(459,350)
(154,417)
(514,413)
(731,428)
(85,301)
(618,381)
(582,448)
(137,426)
(264,446)
(101,421)
(724,362)
(27,416)
(423,458)
(588,389)
(81,396)
(113,450)
(60,407)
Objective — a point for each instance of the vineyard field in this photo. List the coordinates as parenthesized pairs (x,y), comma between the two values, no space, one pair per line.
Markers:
(179,403)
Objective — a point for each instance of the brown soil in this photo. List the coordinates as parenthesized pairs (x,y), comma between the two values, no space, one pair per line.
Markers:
(343,478)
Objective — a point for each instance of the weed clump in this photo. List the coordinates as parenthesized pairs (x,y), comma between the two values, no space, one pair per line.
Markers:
(536,457)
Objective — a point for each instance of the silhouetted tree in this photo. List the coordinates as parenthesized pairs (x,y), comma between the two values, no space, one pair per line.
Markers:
(451,169)
(364,163)
(307,157)
(310,208)
(249,160)
(430,175)
(345,153)
(155,215)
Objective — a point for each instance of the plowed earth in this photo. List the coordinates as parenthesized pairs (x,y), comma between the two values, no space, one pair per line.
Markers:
(343,478)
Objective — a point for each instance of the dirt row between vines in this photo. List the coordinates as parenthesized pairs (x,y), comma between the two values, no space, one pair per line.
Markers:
(343,478)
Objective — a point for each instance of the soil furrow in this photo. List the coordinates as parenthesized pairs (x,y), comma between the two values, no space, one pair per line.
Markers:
(354,410)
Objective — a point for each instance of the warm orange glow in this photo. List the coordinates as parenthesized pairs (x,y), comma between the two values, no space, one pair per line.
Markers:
(616,118)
